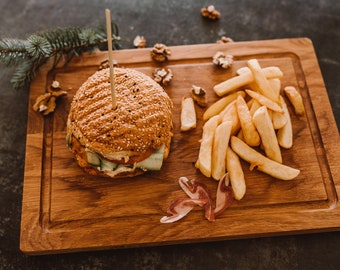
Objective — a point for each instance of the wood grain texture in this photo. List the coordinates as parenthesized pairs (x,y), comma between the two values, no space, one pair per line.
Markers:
(65,210)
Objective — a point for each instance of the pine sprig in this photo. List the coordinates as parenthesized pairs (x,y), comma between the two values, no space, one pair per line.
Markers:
(61,43)
(12,51)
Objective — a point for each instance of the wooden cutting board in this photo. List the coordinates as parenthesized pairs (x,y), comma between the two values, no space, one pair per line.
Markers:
(65,210)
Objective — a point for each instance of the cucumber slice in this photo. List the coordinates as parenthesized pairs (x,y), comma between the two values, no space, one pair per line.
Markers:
(92,158)
(154,162)
(106,165)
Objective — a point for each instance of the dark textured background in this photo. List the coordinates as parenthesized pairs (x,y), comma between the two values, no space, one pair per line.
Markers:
(173,23)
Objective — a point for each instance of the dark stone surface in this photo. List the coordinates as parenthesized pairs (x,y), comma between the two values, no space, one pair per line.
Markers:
(173,23)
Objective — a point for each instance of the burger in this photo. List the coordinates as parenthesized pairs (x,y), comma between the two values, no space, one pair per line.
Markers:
(124,141)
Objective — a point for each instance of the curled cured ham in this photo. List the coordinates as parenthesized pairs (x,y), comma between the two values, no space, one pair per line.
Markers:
(224,195)
(197,190)
(180,208)
(199,195)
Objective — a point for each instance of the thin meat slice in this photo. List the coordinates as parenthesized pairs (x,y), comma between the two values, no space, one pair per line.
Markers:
(180,208)
(197,190)
(224,195)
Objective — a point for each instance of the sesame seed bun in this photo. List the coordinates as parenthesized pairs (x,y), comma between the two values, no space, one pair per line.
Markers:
(141,123)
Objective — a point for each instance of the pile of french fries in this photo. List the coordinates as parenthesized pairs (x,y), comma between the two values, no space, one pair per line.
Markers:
(250,121)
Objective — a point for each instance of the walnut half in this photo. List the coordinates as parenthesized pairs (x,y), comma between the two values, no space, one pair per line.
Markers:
(210,12)
(222,60)
(198,94)
(160,52)
(139,42)
(162,75)
(225,40)
(46,103)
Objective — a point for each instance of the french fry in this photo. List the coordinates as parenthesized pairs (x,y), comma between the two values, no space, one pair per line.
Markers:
(250,134)
(236,174)
(262,163)
(230,114)
(244,79)
(278,119)
(226,109)
(295,99)
(219,151)
(263,100)
(232,84)
(219,105)
(240,135)
(276,86)
(188,114)
(270,72)
(285,134)
(204,156)
(243,70)
(254,106)
(267,133)
(261,80)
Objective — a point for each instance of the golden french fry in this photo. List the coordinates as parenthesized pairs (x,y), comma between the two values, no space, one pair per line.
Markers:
(236,174)
(263,100)
(204,157)
(230,114)
(240,135)
(278,119)
(254,106)
(261,80)
(227,109)
(276,86)
(295,99)
(243,70)
(270,72)
(219,151)
(188,114)
(232,84)
(252,85)
(285,134)
(219,105)
(250,134)
(245,77)
(267,133)
(262,163)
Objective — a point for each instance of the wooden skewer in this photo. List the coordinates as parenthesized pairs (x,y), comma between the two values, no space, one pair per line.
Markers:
(109,43)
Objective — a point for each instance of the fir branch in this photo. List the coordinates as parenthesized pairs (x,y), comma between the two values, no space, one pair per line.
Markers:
(12,51)
(60,43)
(26,72)
(38,46)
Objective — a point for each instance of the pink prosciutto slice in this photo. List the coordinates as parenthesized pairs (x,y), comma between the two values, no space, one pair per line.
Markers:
(224,195)
(180,208)
(197,190)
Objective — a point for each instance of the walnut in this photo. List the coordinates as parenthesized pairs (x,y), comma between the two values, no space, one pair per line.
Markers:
(139,42)
(160,52)
(210,12)
(224,40)
(225,61)
(198,94)
(55,85)
(105,64)
(46,103)
(163,75)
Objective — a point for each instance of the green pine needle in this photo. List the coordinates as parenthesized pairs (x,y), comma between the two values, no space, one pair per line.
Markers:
(28,55)
(12,51)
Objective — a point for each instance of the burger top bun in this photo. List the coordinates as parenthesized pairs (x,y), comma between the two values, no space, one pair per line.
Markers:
(141,121)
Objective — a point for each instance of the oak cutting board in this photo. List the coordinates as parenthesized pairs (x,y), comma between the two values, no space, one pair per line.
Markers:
(65,210)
